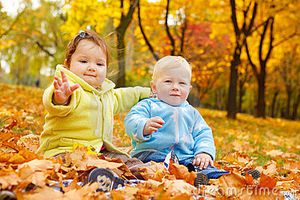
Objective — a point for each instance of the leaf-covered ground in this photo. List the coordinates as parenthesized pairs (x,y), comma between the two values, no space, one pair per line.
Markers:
(268,145)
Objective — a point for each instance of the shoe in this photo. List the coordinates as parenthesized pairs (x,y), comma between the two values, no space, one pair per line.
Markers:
(174,157)
(7,195)
(253,172)
(170,156)
(201,179)
(106,178)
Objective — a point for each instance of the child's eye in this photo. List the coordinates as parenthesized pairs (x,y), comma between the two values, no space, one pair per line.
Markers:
(182,83)
(100,64)
(83,61)
(168,81)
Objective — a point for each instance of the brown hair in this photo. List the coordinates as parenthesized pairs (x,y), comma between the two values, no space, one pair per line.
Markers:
(85,35)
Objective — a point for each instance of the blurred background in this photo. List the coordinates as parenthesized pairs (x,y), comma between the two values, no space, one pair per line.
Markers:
(245,54)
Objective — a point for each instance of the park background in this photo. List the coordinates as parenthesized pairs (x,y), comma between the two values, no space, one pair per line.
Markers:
(242,52)
(245,57)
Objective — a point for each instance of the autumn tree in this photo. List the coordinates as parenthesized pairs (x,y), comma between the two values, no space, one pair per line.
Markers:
(178,28)
(241,34)
(265,34)
(289,71)
(125,20)
(85,14)
(35,33)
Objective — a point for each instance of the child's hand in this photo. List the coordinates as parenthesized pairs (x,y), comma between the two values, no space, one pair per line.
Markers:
(62,90)
(152,125)
(203,160)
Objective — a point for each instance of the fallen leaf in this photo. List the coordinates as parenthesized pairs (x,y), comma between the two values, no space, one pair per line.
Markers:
(267,181)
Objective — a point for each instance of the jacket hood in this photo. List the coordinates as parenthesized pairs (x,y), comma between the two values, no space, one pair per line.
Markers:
(106,85)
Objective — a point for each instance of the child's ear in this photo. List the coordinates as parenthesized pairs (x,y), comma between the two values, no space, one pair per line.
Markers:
(153,87)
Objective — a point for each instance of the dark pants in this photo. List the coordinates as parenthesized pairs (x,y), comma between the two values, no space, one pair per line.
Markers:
(211,172)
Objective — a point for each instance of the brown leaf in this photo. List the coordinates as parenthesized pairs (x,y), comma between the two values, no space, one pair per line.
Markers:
(16,159)
(82,159)
(41,193)
(267,181)
(232,180)
(30,142)
(39,165)
(270,169)
(249,179)
(8,178)
(174,189)
(181,172)
(155,171)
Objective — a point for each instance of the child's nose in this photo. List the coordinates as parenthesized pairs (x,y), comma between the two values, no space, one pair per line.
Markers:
(92,68)
(175,86)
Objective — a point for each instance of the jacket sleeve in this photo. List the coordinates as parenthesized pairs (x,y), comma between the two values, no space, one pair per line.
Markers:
(125,98)
(203,137)
(136,120)
(59,110)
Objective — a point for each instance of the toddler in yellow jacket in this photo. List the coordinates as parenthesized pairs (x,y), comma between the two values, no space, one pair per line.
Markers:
(81,102)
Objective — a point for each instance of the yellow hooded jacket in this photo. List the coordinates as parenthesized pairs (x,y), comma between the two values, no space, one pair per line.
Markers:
(88,118)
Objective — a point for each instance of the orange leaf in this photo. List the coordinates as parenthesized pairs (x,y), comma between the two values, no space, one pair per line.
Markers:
(181,172)
(267,181)
(249,179)
(17,159)
(8,178)
(232,180)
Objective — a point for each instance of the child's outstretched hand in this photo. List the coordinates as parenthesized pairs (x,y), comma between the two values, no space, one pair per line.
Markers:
(62,90)
(152,125)
(203,160)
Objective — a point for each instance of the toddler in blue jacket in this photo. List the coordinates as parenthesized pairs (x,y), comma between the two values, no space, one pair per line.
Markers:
(168,123)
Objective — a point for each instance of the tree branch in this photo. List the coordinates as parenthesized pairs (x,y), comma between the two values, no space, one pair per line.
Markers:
(155,56)
(168,30)
(12,24)
(183,30)
(44,49)
(253,66)
(271,39)
(286,38)
(234,19)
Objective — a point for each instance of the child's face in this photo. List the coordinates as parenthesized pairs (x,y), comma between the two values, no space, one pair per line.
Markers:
(172,86)
(89,63)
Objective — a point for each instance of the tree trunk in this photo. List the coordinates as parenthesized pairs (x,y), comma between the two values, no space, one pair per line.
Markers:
(121,30)
(288,103)
(121,60)
(295,107)
(261,104)
(232,93)
(240,38)
(274,103)
(241,95)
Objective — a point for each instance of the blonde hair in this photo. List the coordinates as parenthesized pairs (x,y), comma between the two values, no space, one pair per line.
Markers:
(170,62)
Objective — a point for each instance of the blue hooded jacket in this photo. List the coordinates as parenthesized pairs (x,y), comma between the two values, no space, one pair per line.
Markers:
(184,131)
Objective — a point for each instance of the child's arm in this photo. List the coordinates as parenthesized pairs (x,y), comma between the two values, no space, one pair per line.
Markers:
(136,120)
(62,90)
(152,125)
(57,98)
(203,160)
(125,98)
(204,149)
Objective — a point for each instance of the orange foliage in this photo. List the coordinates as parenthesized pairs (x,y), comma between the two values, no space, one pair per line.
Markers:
(29,175)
